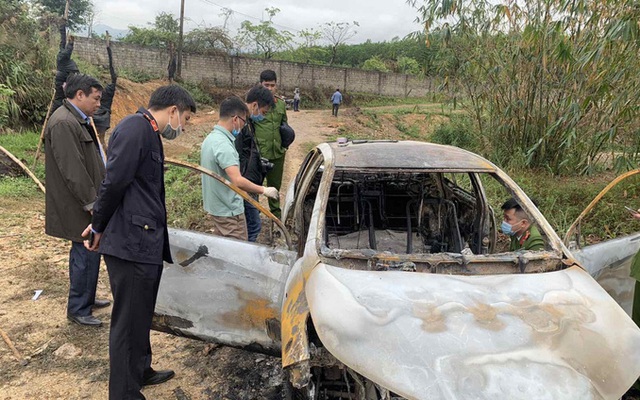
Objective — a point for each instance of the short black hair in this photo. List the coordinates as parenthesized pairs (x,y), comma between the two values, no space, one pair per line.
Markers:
(232,106)
(82,82)
(268,75)
(513,204)
(172,95)
(262,95)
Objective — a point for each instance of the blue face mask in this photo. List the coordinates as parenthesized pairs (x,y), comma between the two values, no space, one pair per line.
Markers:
(507,229)
(257,118)
(235,132)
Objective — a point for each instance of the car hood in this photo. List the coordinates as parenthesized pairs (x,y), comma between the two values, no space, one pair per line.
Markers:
(555,335)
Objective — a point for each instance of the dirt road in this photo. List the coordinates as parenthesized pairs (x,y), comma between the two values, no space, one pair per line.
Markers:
(30,260)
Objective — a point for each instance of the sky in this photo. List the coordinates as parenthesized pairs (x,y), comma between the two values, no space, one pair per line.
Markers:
(379,19)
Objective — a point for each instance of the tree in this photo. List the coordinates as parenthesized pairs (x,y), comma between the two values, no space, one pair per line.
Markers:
(337,33)
(408,65)
(164,31)
(208,41)
(79,10)
(92,18)
(26,60)
(375,64)
(549,83)
(310,37)
(264,35)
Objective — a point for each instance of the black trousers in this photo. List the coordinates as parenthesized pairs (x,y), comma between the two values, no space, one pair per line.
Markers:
(334,111)
(135,288)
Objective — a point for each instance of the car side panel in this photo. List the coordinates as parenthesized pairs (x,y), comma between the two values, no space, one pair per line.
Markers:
(223,290)
(609,263)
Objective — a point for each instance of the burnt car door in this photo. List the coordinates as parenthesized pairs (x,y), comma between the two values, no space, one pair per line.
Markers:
(609,261)
(223,290)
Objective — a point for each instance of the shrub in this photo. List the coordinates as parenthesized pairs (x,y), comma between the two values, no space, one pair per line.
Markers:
(458,131)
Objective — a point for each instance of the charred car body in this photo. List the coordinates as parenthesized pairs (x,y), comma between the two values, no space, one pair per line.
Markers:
(394,287)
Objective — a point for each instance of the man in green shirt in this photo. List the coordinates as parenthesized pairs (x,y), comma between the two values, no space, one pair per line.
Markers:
(517,224)
(219,154)
(267,131)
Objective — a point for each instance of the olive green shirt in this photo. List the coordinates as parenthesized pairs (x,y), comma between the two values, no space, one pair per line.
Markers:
(530,240)
(268,131)
(635,267)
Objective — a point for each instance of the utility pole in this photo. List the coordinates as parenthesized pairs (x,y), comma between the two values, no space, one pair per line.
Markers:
(179,69)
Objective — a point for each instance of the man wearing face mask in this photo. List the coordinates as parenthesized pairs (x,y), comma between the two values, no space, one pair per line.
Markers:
(219,154)
(129,227)
(516,224)
(259,100)
(267,132)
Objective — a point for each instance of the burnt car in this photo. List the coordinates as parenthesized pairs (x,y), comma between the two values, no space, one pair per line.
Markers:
(389,280)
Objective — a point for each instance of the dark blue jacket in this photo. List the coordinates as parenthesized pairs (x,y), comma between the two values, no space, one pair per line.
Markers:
(130,209)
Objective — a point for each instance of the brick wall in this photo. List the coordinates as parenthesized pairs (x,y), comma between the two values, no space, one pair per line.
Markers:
(242,72)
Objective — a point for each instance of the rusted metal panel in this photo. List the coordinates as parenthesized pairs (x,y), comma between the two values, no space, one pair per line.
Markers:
(555,335)
(407,155)
(223,290)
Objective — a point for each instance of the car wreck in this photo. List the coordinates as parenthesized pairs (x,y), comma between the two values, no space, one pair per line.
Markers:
(388,280)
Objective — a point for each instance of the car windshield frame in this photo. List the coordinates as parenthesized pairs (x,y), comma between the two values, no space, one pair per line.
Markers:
(514,261)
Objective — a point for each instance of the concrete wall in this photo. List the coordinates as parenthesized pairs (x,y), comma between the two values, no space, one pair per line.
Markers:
(242,72)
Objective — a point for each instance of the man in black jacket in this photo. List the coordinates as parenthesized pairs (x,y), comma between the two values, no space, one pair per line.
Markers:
(74,166)
(259,100)
(129,226)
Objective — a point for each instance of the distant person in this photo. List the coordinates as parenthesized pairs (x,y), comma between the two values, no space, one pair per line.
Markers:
(74,168)
(64,66)
(336,99)
(102,117)
(219,154)
(173,64)
(129,225)
(517,224)
(296,99)
(259,100)
(268,135)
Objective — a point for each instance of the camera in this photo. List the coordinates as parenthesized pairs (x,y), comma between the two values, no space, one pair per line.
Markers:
(266,165)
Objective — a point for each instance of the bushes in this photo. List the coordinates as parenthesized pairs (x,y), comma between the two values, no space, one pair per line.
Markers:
(458,131)
(26,67)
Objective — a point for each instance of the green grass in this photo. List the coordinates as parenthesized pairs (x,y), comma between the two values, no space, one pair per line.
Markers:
(370,100)
(18,188)
(137,76)
(198,94)
(412,131)
(184,195)
(23,146)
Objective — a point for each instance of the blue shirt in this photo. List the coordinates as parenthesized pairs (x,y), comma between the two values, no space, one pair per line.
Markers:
(83,115)
(336,98)
(101,153)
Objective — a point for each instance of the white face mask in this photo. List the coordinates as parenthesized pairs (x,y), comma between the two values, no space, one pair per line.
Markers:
(170,132)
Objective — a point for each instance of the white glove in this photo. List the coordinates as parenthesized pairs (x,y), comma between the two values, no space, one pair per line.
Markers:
(270,192)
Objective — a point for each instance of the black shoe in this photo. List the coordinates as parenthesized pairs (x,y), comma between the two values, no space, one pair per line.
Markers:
(152,377)
(88,320)
(99,303)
